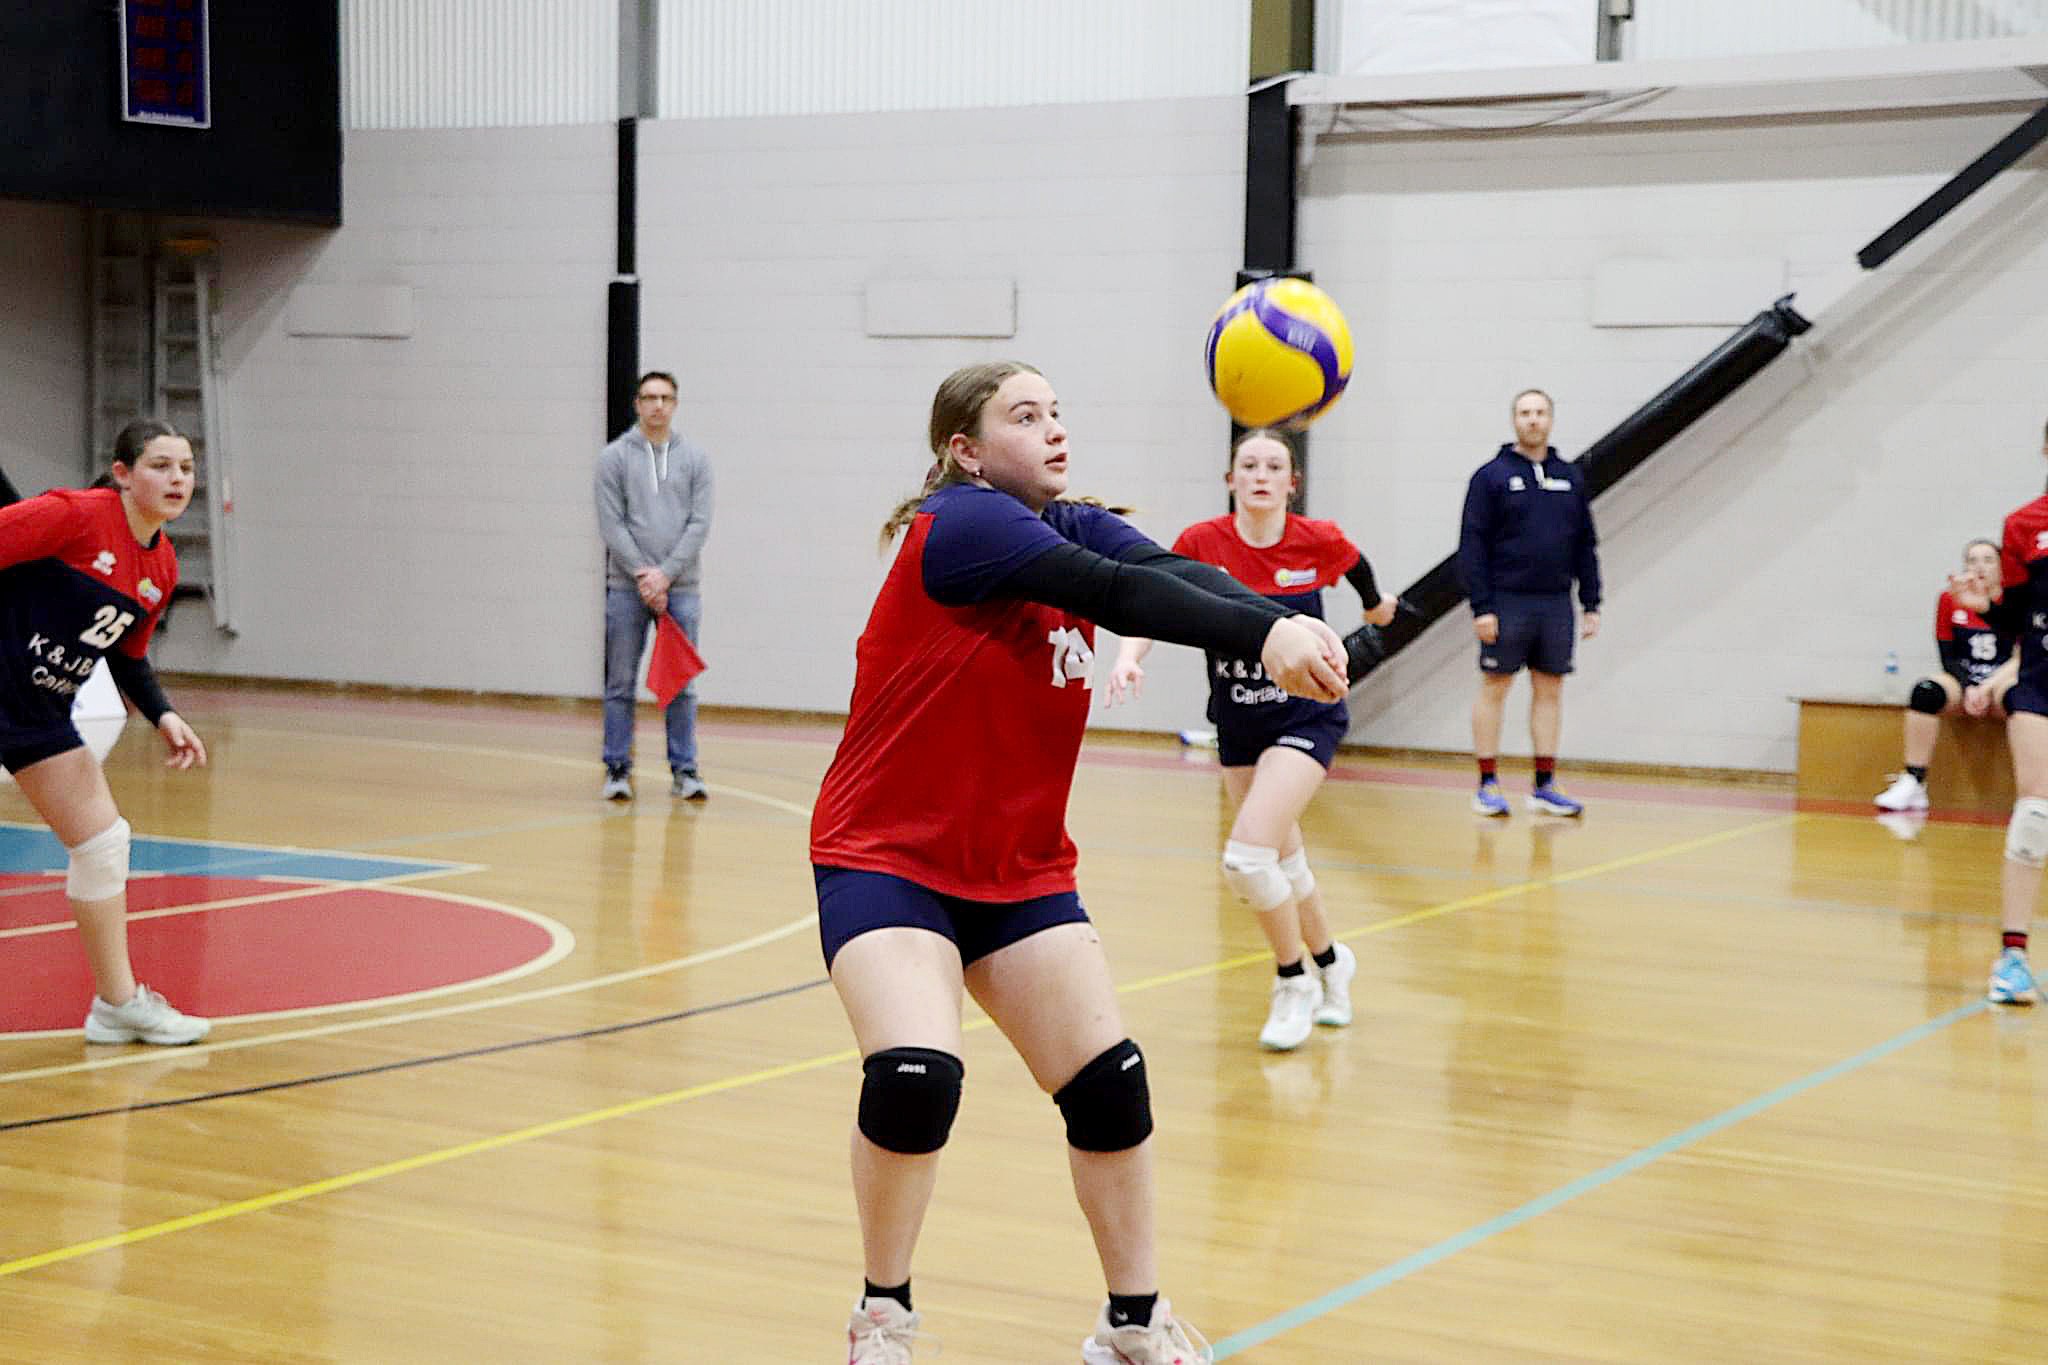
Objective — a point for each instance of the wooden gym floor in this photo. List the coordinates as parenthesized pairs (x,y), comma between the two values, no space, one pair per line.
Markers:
(1701,1078)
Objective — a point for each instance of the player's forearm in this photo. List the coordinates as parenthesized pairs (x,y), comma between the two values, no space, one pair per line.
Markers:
(1140,601)
(137,681)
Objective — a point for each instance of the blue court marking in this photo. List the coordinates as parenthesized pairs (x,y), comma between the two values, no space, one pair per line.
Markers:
(1422,1260)
(33,850)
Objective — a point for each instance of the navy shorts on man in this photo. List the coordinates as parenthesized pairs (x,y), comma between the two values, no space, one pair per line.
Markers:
(1536,632)
(851,902)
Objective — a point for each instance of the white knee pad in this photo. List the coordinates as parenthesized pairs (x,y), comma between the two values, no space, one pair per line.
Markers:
(1300,880)
(2026,836)
(1253,872)
(99,866)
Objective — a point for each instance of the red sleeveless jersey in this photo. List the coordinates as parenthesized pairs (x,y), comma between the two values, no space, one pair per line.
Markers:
(966,721)
(1309,556)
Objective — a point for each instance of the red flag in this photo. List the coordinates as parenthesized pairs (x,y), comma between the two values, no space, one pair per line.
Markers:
(672,663)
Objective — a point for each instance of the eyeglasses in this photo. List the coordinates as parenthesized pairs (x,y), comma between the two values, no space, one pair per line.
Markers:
(655,398)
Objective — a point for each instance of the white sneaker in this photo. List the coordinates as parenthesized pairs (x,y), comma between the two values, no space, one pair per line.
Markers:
(1906,792)
(1165,1340)
(1292,1016)
(147,1018)
(1335,1009)
(880,1332)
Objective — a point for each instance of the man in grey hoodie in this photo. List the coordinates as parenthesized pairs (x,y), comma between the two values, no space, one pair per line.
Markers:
(653,510)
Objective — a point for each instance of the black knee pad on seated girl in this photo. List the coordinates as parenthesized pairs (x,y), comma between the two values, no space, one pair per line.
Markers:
(1928,697)
(908,1099)
(1108,1104)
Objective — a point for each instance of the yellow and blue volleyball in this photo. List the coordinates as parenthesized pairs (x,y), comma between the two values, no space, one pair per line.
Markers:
(1279,354)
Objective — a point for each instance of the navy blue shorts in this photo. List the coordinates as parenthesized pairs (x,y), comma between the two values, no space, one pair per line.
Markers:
(1317,736)
(2028,694)
(1535,632)
(21,750)
(851,902)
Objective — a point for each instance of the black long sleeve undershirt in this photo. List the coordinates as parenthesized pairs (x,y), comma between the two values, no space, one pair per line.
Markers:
(2006,614)
(1359,576)
(137,680)
(1205,576)
(1154,594)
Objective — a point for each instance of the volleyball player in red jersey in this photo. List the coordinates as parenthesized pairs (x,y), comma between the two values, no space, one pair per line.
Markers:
(2021,606)
(1973,680)
(939,843)
(1275,749)
(85,576)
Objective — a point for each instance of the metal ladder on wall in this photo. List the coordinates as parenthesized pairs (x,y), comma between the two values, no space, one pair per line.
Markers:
(155,353)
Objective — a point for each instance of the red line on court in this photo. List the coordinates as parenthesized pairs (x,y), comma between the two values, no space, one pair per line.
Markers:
(46,904)
(342,946)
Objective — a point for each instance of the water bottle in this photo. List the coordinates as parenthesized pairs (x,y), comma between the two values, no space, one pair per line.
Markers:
(1196,739)
(1891,673)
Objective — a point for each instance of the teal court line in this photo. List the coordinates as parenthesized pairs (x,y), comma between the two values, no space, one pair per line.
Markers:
(1564,1194)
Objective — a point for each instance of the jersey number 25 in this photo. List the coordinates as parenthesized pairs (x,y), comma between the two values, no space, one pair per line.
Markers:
(107,625)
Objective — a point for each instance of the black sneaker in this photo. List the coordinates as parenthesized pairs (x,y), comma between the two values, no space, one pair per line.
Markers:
(618,784)
(688,786)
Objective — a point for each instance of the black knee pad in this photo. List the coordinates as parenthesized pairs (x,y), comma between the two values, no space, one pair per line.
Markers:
(1108,1104)
(1928,697)
(908,1098)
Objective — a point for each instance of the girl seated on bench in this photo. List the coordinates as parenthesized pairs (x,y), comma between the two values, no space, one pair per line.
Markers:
(1977,669)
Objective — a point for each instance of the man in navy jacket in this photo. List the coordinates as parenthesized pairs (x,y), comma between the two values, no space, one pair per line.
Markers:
(1527,534)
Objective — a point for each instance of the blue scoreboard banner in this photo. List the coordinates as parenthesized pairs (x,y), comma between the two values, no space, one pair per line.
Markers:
(166,76)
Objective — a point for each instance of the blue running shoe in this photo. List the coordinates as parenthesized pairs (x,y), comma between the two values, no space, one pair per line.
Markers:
(1548,800)
(2011,982)
(1488,800)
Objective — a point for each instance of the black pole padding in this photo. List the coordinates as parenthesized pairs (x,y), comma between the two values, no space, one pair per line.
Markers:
(1960,186)
(1272,135)
(9,495)
(1608,460)
(1691,396)
(622,355)
(629,196)
(1270,164)
(622,300)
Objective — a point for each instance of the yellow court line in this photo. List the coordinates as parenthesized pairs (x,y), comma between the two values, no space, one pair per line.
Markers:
(651,1102)
(415,1163)
(1473,902)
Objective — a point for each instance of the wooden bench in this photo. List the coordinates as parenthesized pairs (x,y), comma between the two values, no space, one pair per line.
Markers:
(1849,747)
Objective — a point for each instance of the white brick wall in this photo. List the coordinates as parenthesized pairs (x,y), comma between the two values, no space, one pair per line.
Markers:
(418,511)
(42,339)
(1121,224)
